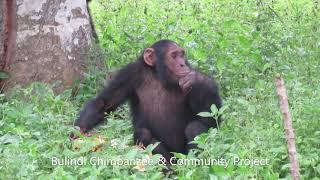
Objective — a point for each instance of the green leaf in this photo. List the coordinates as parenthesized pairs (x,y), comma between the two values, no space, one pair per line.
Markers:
(179,155)
(318,168)
(252,109)
(9,139)
(189,173)
(151,147)
(266,66)
(222,109)
(229,23)
(244,42)
(213,177)
(214,109)
(219,170)
(132,153)
(201,139)
(205,114)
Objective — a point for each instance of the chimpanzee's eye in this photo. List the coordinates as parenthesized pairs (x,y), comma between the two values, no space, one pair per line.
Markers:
(174,55)
(183,54)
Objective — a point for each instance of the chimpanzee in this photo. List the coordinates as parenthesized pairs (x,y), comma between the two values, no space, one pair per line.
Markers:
(165,96)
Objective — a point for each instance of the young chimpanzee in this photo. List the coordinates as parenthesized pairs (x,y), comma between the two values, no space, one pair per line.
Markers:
(165,95)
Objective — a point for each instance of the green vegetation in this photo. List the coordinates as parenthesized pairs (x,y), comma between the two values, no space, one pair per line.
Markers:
(243,44)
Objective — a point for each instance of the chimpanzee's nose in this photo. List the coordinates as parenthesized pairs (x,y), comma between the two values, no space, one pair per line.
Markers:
(181,65)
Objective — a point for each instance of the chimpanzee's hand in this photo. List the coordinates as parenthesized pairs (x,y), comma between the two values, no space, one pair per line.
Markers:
(90,115)
(187,81)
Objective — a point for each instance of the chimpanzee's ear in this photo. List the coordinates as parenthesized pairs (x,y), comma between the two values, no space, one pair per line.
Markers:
(149,56)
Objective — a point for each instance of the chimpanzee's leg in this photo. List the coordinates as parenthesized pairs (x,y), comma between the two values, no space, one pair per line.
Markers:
(193,129)
(144,136)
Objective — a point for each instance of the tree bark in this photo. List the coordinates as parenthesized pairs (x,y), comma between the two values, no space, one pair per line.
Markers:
(44,41)
(7,31)
(289,131)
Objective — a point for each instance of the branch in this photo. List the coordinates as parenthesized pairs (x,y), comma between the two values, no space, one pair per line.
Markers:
(289,132)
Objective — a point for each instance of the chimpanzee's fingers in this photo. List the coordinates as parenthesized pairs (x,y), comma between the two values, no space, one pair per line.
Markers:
(186,86)
(183,80)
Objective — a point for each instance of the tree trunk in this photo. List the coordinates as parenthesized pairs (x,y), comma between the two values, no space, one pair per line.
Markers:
(44,40)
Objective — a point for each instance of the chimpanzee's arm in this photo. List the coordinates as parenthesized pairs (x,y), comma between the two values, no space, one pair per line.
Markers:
(204,92)
(113,95)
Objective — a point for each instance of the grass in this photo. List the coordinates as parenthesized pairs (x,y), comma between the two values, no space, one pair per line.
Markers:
(242,44)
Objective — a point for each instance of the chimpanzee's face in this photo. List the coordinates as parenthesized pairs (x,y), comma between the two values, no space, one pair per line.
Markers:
(176,62)
(169,60)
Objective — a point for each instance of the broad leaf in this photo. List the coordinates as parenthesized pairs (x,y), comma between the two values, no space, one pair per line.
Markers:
(205,114)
